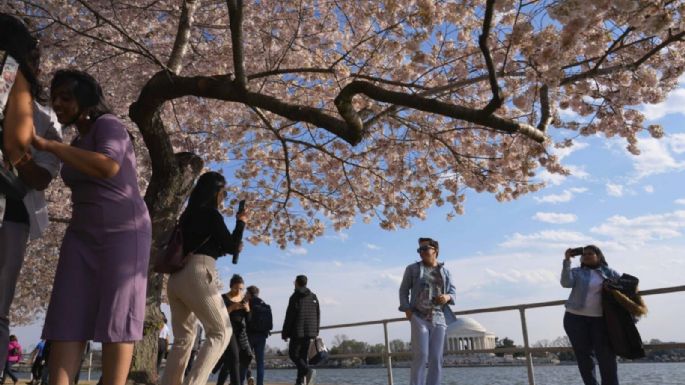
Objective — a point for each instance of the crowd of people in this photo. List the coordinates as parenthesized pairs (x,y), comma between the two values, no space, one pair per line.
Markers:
(99,286)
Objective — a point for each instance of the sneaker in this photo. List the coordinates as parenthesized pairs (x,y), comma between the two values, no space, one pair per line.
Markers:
(250,381)
(311,376)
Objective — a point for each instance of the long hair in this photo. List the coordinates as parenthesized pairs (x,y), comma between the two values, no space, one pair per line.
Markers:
(17,41)
(206,191)
(596,250)
(86,91)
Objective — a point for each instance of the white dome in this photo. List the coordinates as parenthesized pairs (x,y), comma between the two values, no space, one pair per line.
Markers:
(465,325)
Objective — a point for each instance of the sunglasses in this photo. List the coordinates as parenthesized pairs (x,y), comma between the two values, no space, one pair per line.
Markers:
(424,248)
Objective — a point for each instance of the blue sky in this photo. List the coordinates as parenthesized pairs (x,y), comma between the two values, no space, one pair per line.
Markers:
(633,207)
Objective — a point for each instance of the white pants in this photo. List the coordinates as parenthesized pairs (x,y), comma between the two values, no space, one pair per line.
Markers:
(427,345)
(193,295)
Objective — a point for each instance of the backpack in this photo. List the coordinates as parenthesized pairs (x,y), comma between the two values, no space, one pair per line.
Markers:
(261,320)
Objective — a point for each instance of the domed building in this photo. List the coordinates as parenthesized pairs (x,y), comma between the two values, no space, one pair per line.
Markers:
(468,334)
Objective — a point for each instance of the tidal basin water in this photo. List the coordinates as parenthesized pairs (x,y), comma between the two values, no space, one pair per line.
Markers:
(629,374)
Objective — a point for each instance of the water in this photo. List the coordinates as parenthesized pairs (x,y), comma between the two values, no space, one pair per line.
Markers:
(629,374)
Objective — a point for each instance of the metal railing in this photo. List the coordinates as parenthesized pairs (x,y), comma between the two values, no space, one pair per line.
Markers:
(527,350)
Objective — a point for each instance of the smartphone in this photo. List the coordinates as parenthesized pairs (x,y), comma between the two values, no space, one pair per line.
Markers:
(241,206)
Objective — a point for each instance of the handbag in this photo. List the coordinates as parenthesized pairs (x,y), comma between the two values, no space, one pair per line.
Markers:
(172,258)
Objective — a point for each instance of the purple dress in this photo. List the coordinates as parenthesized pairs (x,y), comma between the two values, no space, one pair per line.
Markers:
(101,279)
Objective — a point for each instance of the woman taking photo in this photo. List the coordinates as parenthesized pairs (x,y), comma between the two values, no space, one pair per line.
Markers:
(584,320)
(99,288)
(193,292)
(238,354)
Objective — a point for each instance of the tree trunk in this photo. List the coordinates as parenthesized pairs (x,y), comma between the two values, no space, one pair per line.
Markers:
(164,197)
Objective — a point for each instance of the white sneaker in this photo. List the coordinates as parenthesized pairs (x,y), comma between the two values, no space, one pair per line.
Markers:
(311,376)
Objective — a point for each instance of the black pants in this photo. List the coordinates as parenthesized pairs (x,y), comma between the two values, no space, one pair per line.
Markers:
(298,350)
(37,369)
(162,347)
(235,362)
(589,339)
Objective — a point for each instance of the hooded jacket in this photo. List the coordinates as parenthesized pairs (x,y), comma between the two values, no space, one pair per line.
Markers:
(303,317)
(14,352)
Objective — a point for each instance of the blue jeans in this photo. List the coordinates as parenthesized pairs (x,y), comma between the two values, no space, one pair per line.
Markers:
(258,343)
(589,339)
(427,344)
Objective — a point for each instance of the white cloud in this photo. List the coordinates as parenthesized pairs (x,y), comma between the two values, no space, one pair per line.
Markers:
(337,263)
(649,188)
(656,157)
(534,276)
(565,196)
(614,190)
(677,143)
(556,218)
(297,250)
(634,232)
(545,239)
(372,246)
(340,235)
(557,179)
(680,201)
(566,151)
(674,104)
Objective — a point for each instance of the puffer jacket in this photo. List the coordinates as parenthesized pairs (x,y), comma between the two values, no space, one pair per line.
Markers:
(303,317)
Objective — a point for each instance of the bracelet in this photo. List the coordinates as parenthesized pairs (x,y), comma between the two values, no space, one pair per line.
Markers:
(21,161)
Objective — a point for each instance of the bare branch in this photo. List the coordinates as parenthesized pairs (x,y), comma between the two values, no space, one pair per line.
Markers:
(496,101)
(235,16)
(182,35)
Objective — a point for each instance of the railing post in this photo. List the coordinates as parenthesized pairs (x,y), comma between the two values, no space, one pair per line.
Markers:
(526,346)
(388,359)
(90,363)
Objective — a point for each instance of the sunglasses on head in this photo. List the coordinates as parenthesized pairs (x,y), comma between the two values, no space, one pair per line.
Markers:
(424,248)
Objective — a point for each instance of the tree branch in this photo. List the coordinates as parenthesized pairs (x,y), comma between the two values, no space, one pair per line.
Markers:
(235,16)
(123,33)
(182,35)
(545,115)
(623,67)
(289,71)
(344,104)
(496,101)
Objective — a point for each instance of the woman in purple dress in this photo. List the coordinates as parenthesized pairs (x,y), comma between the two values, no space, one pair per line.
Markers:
(100,284)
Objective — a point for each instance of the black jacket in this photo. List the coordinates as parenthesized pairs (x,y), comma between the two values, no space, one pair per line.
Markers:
(621,306)
(303,316)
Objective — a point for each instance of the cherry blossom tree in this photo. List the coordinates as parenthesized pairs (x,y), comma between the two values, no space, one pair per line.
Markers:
(322,112)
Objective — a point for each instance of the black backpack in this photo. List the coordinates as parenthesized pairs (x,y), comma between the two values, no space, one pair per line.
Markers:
(261,320)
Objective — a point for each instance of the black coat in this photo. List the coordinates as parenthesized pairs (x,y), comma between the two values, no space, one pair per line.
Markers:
(624,337)
(303,317)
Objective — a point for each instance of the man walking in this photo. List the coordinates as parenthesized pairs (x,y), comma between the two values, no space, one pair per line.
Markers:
(259,327)
(301,324)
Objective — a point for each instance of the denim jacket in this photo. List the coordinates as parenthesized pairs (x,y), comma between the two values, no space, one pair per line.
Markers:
(578,279)
(411,280)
